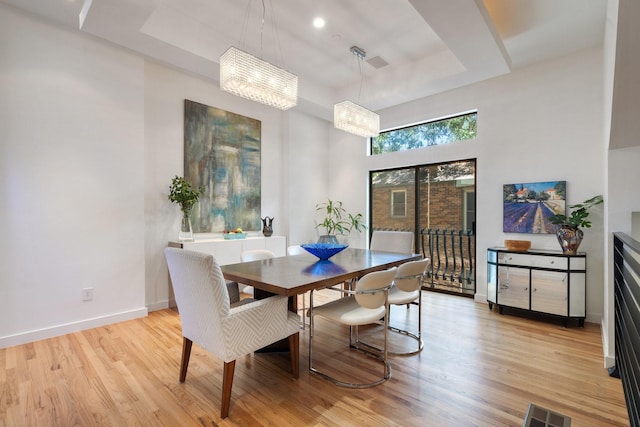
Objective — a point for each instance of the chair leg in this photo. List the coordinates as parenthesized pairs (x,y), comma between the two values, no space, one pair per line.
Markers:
(381,356)
(186,353)
(416,336)
(302,321)
(227,383)
(294,349)
(310,312)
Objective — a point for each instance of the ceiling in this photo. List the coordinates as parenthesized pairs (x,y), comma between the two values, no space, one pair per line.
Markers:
(429,46)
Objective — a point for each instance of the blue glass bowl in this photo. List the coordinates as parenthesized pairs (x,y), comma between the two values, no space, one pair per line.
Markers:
(324,267)
(323,250)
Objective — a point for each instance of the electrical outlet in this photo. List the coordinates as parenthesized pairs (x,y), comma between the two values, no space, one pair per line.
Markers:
(87,294)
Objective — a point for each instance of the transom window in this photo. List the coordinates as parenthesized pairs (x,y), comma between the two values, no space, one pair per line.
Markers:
(437,132)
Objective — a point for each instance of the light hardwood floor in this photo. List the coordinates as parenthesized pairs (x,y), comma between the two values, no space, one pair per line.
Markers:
(478,368)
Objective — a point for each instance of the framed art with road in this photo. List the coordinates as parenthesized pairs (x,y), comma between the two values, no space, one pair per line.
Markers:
(528,206)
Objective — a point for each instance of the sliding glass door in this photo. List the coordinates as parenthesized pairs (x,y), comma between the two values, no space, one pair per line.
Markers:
(437,202)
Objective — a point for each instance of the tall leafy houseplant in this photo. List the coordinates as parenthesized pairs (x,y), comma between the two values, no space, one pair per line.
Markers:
(183,194)
(337,221)
(569,233)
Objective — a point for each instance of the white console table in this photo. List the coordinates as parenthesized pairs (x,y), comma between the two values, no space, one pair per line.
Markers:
(539,281)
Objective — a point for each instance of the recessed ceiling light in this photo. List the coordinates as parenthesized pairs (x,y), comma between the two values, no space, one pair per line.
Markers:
(318,22)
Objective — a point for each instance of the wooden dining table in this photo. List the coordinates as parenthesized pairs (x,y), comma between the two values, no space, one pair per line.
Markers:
(297,274)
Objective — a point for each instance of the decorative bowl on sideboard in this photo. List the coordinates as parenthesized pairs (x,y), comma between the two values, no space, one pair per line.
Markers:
(234,236)
(518,245)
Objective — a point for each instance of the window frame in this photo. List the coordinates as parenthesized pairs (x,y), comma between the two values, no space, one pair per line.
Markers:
(393,204)
(427,122)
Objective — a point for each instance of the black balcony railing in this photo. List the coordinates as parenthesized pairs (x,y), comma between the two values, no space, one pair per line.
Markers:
(626,259)
(452,255)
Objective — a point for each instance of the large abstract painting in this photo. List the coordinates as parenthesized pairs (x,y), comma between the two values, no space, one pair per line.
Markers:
(222,153)
(528,206)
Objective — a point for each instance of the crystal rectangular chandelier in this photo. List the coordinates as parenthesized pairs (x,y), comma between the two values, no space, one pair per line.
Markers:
(355,119)
(252,78)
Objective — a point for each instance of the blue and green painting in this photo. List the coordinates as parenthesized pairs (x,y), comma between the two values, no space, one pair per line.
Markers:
(222,154)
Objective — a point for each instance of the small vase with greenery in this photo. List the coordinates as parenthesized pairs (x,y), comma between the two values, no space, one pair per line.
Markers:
(182,193)
(568,232)
(337,221)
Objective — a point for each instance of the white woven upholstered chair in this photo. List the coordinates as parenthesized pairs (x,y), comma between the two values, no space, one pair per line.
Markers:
(299,250)
(392,241)
(366,304)
(254,255)
(296,250)
(227,332)
(407,288)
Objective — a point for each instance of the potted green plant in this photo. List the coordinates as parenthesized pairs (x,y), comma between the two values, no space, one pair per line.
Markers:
(183,194)
(337,221)
(568,231)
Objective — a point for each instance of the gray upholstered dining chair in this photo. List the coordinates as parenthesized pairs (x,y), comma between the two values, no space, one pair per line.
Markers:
(407,288)
(366,304)
(229,332)
(392,241)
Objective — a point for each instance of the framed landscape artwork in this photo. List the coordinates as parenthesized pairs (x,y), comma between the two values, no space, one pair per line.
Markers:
(528,206)
(222,154)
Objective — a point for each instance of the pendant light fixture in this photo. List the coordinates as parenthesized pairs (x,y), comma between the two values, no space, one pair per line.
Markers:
(354,118)
(253,78)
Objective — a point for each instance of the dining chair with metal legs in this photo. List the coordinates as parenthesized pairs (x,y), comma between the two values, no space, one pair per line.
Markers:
(407,288)
(366,304)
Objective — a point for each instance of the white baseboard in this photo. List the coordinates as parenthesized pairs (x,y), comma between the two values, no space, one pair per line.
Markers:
(160,305)
(67,328)
(608,353)
(481,298)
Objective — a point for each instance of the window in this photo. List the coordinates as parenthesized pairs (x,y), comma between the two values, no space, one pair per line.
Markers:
(399,203)
(437,132)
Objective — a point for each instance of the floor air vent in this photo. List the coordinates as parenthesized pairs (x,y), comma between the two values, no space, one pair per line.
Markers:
(540,417)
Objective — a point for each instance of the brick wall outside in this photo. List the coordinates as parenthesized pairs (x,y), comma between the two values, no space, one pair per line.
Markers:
(446,210)
(442,207)
(381,212)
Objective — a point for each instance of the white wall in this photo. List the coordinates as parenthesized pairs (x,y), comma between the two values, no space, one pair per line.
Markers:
(306,175)
(542,123)
(609,68)
(624,176)
(165,92)
(622,65)
(71,181)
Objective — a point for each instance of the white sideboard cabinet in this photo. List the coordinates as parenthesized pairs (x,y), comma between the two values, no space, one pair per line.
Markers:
(548,282)
(228,251)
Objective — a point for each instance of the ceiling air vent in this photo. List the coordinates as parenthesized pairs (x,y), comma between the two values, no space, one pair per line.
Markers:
(377,62)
